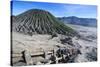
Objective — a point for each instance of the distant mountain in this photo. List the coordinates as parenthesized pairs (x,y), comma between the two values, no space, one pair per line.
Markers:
(79,21)
(39,21)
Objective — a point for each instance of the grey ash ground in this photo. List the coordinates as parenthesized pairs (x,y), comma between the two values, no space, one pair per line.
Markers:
(39,38)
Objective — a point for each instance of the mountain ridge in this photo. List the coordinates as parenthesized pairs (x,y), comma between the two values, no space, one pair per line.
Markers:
(79,21)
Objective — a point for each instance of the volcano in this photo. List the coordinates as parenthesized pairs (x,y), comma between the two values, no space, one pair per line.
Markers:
(37,21)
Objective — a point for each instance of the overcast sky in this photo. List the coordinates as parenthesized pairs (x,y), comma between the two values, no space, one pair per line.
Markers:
(57,9)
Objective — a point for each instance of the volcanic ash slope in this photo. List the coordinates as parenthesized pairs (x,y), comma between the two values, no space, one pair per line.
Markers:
(88,42)
(40,22)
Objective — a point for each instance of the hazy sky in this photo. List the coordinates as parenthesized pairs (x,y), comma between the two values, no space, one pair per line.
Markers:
(58,10)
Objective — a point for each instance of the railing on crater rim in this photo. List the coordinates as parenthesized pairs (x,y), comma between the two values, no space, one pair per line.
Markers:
(31,54)
(27,56)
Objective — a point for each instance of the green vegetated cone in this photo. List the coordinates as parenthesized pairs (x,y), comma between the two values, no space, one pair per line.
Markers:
(41,22)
